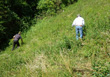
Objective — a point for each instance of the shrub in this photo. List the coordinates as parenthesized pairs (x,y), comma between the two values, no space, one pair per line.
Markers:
(46,6)
(51,7)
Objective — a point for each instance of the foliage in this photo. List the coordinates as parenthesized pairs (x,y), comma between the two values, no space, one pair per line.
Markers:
(66,2)
(46,5)
(51,50)
(52,6)
(16,15)
(101,69)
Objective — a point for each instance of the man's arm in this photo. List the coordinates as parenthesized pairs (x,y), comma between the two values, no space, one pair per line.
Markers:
(83,23)
(74,23)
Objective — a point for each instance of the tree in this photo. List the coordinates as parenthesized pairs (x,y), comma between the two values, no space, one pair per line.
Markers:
(9,23)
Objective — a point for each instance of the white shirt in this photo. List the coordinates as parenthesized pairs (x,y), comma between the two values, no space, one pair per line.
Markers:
(78,21)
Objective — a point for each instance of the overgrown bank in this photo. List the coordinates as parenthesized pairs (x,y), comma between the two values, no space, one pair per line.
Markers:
(51,50)
(19,15)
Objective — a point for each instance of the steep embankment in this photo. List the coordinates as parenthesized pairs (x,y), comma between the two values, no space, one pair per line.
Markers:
(51,50)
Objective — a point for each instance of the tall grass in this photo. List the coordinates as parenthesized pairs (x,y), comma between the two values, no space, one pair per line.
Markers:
(51,50)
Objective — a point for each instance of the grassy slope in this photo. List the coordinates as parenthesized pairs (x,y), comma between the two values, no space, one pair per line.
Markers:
(50,48)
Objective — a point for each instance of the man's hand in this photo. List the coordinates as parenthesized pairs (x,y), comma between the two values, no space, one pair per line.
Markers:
(13,37)
(72,25)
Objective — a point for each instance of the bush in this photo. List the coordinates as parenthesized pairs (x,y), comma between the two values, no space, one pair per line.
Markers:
(46,6)
(51,7)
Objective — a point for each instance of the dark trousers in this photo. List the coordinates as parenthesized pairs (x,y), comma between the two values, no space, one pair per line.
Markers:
(15,42)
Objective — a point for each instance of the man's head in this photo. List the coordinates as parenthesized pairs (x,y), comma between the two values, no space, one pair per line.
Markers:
(19,32)
(78,15)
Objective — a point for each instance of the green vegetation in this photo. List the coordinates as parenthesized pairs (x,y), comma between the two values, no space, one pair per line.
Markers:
(18,15)
(51,50)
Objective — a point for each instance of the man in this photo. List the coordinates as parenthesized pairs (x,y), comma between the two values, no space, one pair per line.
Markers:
(79,23)
(16,40)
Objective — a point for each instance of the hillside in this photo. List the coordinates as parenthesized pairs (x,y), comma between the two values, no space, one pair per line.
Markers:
(50,48)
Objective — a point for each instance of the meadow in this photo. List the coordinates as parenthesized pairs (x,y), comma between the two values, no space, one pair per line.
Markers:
(50,47)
